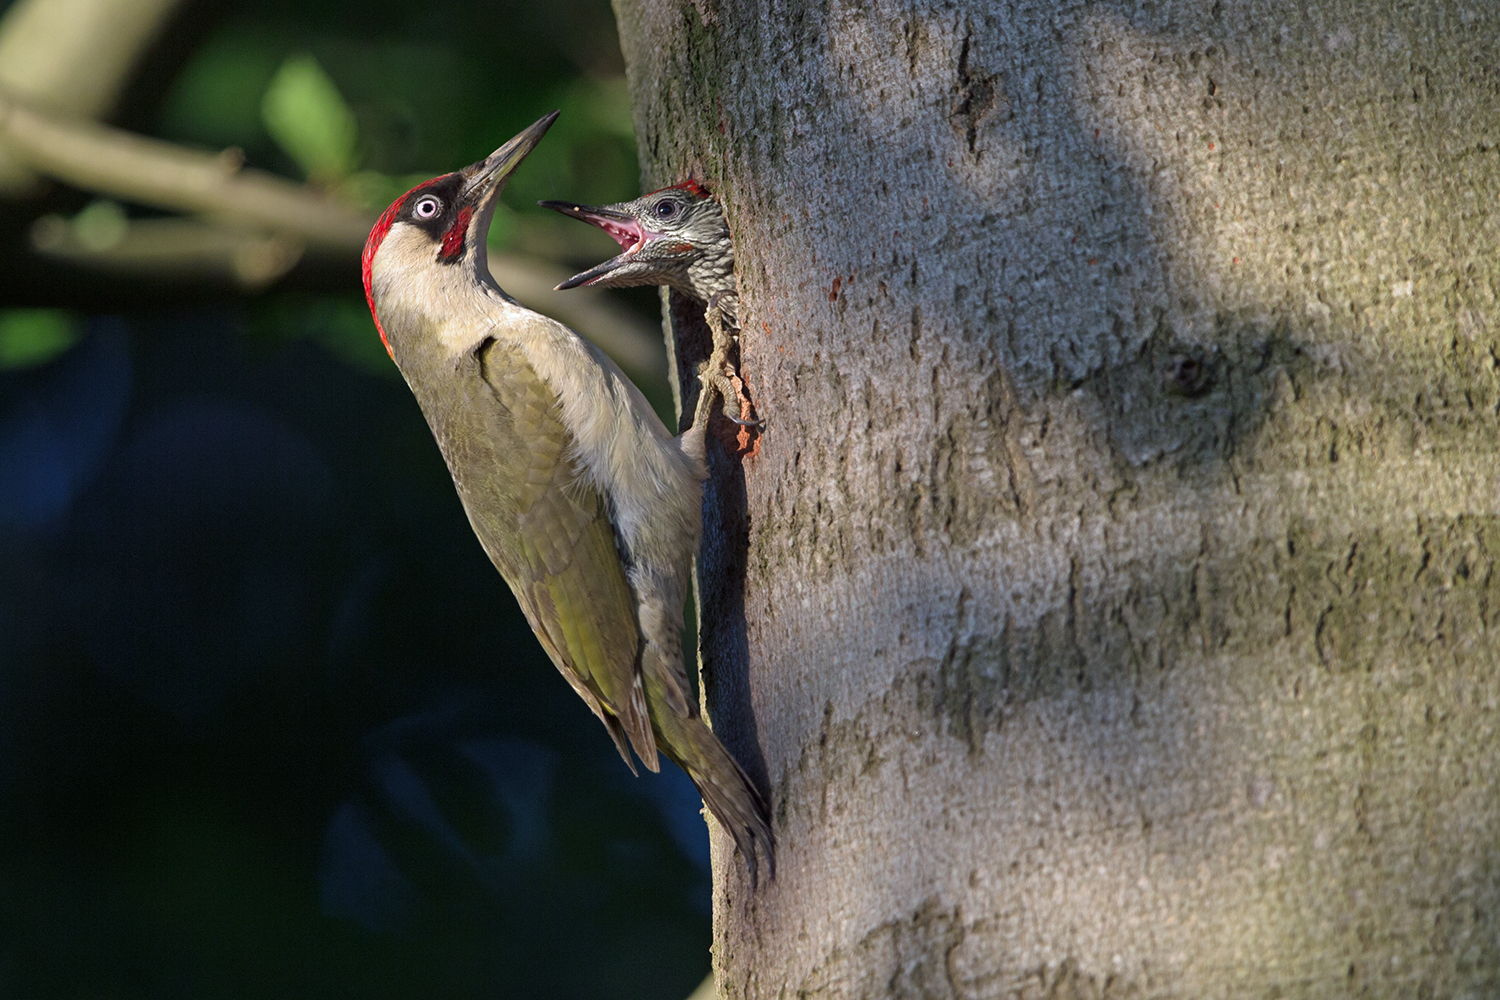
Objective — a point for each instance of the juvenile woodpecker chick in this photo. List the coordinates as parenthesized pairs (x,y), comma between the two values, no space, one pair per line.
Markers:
(677,237)
(585,503)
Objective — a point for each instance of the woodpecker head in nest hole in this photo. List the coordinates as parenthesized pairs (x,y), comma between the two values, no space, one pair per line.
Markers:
(676,236)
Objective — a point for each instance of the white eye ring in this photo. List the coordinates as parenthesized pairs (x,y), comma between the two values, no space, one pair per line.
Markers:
(428,206)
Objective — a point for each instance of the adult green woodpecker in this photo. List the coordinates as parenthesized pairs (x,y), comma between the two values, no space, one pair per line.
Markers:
(587,506)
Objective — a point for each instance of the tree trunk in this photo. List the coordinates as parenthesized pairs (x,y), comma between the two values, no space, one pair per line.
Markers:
(1111,604)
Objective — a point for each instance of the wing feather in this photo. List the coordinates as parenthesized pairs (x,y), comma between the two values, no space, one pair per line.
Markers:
(549,534)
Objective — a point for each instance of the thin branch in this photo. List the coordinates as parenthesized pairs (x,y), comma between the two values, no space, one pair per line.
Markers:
(179,249)
(72,57)
(151,172)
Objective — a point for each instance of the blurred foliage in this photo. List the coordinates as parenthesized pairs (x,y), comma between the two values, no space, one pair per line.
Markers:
(306,115)
(374,117)
(34,336)
(341,326)
(101,224)
(270,723)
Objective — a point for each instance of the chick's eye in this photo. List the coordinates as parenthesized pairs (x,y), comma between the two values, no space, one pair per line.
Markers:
(666,209)
(428,206)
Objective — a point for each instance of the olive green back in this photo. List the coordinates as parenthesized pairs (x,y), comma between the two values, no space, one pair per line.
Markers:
(548,532)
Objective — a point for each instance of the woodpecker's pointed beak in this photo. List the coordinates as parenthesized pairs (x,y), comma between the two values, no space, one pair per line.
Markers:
(488,176)
(623,227)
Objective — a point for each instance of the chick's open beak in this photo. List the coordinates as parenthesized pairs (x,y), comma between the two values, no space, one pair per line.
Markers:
(624,228)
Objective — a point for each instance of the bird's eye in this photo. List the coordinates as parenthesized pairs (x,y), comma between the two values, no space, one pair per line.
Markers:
(666,209)
(429,206)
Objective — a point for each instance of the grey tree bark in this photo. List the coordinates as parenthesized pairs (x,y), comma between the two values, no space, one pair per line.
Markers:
(1111,605)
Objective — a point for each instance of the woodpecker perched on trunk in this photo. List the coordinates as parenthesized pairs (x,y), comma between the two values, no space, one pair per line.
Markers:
(677,237)
(585,503)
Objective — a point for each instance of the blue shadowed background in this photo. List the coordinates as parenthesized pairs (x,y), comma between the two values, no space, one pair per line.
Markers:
(270,723)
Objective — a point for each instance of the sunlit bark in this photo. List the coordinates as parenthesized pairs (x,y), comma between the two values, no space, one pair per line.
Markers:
(1111,603)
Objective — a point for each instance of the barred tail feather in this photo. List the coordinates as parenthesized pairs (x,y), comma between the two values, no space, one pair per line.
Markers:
(728,792)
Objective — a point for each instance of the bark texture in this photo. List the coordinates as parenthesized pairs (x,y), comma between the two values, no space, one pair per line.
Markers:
(1112,603)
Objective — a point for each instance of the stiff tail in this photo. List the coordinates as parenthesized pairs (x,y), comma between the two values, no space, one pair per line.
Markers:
(726,789)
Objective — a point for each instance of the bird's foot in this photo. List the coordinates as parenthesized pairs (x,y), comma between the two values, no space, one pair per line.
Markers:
(737,408)
(717,376)
(717,371)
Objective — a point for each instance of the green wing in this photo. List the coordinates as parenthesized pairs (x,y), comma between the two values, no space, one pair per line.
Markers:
(550,536)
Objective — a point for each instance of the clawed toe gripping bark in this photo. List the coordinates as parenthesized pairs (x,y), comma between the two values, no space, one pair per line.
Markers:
(718,374)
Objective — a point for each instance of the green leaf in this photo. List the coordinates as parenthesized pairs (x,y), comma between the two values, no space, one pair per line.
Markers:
(30,337)
(309,119)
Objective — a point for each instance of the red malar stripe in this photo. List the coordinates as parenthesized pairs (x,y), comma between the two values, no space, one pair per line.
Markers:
(453,239)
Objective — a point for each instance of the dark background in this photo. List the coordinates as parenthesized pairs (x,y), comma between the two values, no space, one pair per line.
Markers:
(270,723)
